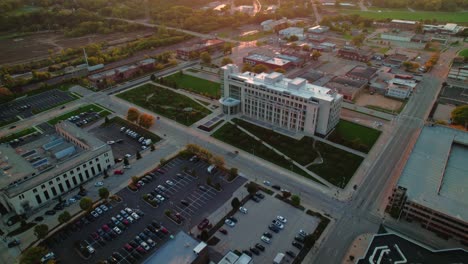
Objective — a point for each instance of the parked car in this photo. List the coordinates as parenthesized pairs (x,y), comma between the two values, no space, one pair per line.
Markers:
(229,223)
(276,187)
(299,239)
(303,233)
(255,199)
(118,172)
(98,184)
(223,231)
(278,224)
(274,228)
(243,210)
(291,254)
(260,247)
(117,230)
(269,235)
(260,195)
(282,219)
(185,202)
(170,183)
(297,244)
(265,239)
(13,243)
(203,224)
(267,183)
(255,251)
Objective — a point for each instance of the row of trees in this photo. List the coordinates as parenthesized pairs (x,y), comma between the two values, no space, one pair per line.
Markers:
(205,155)
(142,119)
(431,5)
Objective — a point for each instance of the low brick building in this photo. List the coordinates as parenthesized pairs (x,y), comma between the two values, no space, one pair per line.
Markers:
(353,53)
(194,51)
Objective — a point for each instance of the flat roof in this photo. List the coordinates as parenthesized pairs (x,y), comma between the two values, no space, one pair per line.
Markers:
(362,71)
(308,91)
(178,250)
(46,157)
(435,174)
(404,21)
(391,248)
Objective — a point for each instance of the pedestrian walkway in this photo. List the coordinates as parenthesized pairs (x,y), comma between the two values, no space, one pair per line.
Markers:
(367,111)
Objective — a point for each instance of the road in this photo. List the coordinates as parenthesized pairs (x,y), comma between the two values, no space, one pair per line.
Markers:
(317,15)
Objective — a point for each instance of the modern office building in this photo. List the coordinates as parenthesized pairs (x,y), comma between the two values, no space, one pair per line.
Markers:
(289,104)
(34,174)
(433,184)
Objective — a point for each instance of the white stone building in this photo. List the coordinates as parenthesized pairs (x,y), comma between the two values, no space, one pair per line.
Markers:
(291,104)
(36,173)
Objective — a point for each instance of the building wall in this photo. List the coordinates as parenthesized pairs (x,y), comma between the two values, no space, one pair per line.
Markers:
(45,192)
(398,92)
(395,37)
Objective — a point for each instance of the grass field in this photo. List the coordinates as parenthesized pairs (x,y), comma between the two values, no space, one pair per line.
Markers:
(355,136)
(19,134)
(166,103)
(232,135)
(196,85)
(338,166)
(464,53)
(85,108)
(455,17)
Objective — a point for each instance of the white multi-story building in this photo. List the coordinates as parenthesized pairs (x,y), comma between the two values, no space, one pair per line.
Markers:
(291,104)
(34,174)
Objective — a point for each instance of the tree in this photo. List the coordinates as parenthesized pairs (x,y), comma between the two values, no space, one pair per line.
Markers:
(40,231)
(252,188)
(233,172)
(460,115)
(86,204)
(126,162)
(286,195)
(106,120)
(235,203)
(246,67)
(204,235)
(225,61)
(205,57)
(5,95)
(218,161)
(33,255)
(419,28)
(316,54)
(146,120)
(103,193)
(358,40)
(133,114)
(259,68)
(280,70)
(138,155)
(135,179)
(296,200)
(64,217)
(227,49)
(153,148)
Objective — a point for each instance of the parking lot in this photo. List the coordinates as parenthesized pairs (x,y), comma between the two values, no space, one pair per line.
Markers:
(201,205)
(122,143)
(27,106)
(251,226)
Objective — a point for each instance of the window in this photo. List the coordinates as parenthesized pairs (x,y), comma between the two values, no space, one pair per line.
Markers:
(93,171)
(61,188)
(74,180)
(90,162)
(99,167)
(51,182)
(65,176)
(57,179)
(46,194)
(43,186)
(38,199)
(34,190)
(54,192)
(68,184)
(81,177)
(87,174)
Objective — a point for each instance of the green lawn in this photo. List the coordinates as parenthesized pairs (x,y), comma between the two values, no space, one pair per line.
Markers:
(195,84)
(19,134)
(464,53)
(454,17)
(85,108)
(338,166)
(355,136)
(166,103)
(230,134)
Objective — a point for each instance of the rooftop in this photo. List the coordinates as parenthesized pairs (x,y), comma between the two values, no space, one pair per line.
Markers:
(29,165)
(178,250)
(270,60)
(435,173)
(362,72)
(297,87)
(205,43)
(399,21)
(399,248)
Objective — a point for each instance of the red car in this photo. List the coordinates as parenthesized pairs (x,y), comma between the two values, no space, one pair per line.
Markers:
(95,235)
(222,230)
(203,224)
(128,247)
(118,172)
(161,171)
(164,230)
(140,249)
(105,228)
(126,222)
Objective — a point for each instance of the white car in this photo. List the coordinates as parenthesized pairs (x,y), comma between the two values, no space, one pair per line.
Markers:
(151,242)
(303,233)
(128,210)
(145,246)
(265,239)
(278,224)
(135,216)
(267,183)
(229,223)
(127,167)
(98,184)
(170,183)
(282,219)
(72,200)
(117,230)
(128,155)
(93,213)
(243,210)
(110,142)
(130,219)
(98,210)
(160,198)
(122,129)
(90,249)
(103,208)
(141,183)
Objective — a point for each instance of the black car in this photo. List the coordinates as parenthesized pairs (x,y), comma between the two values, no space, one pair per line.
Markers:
(184,202)
(58,207)
(107,237)
(260,195)
(273,228)
(297,244)
(155,224)
(147,232)
(232,218)
(259,246)
(133,244)
(151,228)
(50,212)
(255,251)
(143,236)
(291,254)
(117,255)
(138,240)
(269,235)
(247,253)
(299,239)
(39,219)
(276,187)
(112,260)
(13,243)
(255,199)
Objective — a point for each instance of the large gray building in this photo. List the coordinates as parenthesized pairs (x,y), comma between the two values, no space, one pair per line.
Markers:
(291,104)
(33,174)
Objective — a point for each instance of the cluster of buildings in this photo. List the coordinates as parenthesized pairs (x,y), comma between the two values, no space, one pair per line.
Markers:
(293,105)
(432,186)
(105,78)
(390,84)
(353,82)
(354,53)
(410,25)
(208,45)
(36,173)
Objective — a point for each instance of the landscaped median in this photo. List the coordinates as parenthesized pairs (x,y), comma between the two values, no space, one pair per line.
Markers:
(355,136)
(167,103)
(335,165)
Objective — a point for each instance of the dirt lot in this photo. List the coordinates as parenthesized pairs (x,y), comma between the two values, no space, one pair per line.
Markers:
(379,100)
(37,46)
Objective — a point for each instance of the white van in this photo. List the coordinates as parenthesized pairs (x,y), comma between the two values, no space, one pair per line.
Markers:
(211,169)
